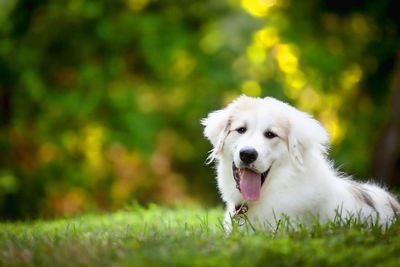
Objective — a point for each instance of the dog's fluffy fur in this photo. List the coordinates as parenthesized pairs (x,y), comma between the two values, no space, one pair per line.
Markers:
(291,151)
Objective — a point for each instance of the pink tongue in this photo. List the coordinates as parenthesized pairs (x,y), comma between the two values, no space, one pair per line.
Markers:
(250,184)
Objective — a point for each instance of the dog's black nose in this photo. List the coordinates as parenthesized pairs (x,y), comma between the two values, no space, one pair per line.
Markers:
(248,155)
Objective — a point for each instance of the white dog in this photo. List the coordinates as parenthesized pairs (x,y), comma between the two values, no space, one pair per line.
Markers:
(271,162)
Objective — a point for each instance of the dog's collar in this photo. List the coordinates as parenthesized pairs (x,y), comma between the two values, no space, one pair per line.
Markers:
(240,213)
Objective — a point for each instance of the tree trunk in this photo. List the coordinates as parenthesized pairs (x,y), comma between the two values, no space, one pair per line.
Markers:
(386,152)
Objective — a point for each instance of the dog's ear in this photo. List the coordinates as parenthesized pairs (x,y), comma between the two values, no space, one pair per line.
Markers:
(305,134)
(216,127)
(295,150)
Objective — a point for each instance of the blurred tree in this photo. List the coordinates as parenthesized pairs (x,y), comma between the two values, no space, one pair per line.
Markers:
(386,156)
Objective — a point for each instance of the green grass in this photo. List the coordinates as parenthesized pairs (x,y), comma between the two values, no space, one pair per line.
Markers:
(191,237)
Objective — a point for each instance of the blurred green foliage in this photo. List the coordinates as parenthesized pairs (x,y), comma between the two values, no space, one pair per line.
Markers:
(101,100)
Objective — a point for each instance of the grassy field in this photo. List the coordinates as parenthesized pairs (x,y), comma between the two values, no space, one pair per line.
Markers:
(158,236)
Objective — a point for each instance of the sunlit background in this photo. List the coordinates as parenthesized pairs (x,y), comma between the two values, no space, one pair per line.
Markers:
(100,101)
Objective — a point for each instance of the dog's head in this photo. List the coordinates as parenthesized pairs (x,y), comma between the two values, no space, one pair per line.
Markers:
(257,134)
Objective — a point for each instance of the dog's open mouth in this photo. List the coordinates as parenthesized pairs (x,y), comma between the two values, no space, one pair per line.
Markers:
(249,182)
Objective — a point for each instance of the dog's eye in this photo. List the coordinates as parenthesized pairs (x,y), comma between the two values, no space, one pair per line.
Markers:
(270,134)
(241,130)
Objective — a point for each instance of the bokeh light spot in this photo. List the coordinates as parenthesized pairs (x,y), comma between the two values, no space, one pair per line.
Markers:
(330,120)
(8,182)
(310,100)
(267,37)
(137,5)
(287,58)
(183,64)
(359,24)
(258,8)
(47,152)
(92,145)
(211,41)
(146,100)
(256,53)
(296,80)
(251,88)
(351,76)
